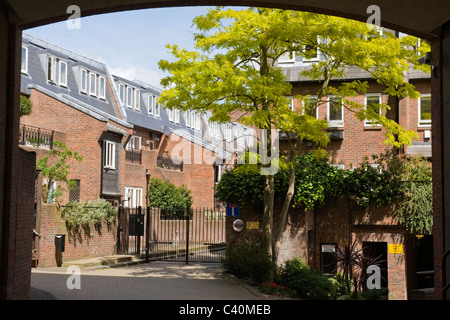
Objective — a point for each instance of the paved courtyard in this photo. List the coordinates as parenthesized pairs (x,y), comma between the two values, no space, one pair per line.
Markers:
(145,281)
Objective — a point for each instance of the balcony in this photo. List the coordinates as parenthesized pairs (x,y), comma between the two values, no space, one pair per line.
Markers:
(165,162)
(36,137)
(133,156)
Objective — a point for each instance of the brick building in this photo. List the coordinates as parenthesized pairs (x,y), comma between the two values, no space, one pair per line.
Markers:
(116,125)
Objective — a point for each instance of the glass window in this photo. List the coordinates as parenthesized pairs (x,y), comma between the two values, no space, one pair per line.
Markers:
(122,93)
(133,197)
(63,73)
(291,103)
(287,57)
(335,112)
(109,156)
(24,61)
(157,109)
(309,106)
(92,84)
(425,110)
(151,101)
(137,99)
(51,69)
(177,115)
(83,80)
(130,96)
(373,102)
(102,87)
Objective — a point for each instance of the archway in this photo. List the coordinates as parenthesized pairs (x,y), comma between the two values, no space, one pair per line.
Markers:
(428,21)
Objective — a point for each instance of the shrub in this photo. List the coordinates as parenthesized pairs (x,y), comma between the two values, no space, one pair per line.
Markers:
(81,214)
(307,283)
(170,199)
(246,258)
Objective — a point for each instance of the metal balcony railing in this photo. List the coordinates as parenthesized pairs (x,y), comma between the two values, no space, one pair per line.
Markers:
(36,137)
(166,162)
(133,156)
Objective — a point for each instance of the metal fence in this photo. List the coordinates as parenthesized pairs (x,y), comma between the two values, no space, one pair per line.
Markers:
(152,234)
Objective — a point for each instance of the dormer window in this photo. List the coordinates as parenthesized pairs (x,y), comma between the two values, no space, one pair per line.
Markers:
(287,57)
(92,84)
(102,87)
(51,69)
(24,61)
(83,80)
(62,73)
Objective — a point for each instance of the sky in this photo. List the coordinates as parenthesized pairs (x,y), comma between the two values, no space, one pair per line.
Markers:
(131,43)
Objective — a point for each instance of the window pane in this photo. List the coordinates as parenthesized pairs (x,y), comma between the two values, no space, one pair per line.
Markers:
(122,93)
(150,104)
(92,83)
(83,80)
(310,106)
(335,111)
(102,87)
(129,97)
(62,73)
(24,62)
(425,108)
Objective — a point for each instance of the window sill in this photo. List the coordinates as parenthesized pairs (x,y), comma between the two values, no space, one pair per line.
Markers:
(369,127)
(422,127)
(332,127)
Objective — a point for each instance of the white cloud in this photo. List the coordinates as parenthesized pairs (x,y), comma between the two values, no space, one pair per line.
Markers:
(146,75)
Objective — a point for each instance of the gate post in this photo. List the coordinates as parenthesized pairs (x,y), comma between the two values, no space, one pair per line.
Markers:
(138,231)
(187,236)
(147,235)
(119,226)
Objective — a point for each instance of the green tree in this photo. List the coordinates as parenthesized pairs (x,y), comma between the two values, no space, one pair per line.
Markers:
(234,68)
(25,106)
(170,199)
(58,171)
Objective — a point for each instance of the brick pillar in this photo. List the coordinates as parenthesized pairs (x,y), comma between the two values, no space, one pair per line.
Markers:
(10,54)
(440,85)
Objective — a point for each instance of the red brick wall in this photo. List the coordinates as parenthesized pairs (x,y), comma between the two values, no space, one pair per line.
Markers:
(305,231)
(85,244)
(81,133)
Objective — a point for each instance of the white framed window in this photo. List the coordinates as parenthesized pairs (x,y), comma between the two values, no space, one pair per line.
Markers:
(228,132)
(287,57)
(309,106)
(134,143)
(157,109)
(215,129)
(187,118)
(177,115)
(130,97)
(24,60)
(338,166)
(51,69)
(122,93)
(151,104)
(198,122)
(133,197)
(62,73)
(335,112)
(425,110)
(102,87)
(137,99)
(109,155)
(83,80)
(170,114)
(92,84)
(291,103)
(372,100)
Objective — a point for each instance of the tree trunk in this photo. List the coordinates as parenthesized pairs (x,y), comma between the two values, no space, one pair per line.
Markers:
(286,206)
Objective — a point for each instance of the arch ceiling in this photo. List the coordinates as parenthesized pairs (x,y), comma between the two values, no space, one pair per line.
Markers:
(421,18)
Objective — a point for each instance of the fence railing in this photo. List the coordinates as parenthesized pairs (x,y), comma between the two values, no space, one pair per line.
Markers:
(166,162)
(133,156)
(199,235)
(36,137)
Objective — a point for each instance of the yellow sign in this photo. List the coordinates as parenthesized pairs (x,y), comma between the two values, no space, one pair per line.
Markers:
(252,225)
(396,248)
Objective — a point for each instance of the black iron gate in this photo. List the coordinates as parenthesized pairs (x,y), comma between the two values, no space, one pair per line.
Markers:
(152,234)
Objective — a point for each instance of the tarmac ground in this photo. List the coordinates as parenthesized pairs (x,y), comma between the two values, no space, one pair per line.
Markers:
(142,281)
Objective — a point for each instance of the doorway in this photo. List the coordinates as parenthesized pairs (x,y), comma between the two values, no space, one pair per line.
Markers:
(378,249)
